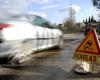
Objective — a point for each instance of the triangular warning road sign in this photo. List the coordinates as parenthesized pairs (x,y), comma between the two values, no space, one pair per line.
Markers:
(90,44)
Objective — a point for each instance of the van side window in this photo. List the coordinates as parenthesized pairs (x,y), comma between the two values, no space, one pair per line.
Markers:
(39,21)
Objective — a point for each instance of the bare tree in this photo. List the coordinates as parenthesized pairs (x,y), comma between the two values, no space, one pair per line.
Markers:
(71,14)
(69,23)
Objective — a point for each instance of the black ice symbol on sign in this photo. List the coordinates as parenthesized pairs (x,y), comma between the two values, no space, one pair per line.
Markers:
(88,45)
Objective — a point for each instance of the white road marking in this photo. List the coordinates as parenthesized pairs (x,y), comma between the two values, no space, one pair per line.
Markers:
(71,44)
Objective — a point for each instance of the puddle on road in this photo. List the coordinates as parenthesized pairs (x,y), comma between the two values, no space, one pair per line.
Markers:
(51,55)
(52,62)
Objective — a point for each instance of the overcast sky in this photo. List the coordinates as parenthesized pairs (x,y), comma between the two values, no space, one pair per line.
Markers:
(53,10)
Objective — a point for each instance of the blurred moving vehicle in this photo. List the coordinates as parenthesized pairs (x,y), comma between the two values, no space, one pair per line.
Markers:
(22,35)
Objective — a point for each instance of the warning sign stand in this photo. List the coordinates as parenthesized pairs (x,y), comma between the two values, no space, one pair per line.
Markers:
(83,67)
(87,53)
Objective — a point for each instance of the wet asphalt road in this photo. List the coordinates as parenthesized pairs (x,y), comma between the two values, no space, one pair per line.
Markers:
(53,65)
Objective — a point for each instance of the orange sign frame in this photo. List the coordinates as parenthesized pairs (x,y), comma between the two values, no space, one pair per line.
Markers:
(94,45)
(90,46)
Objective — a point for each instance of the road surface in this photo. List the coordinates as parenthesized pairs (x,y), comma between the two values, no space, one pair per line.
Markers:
(50,64)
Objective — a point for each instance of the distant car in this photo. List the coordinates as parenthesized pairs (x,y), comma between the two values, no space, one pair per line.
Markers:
(22,35)
(87,29)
